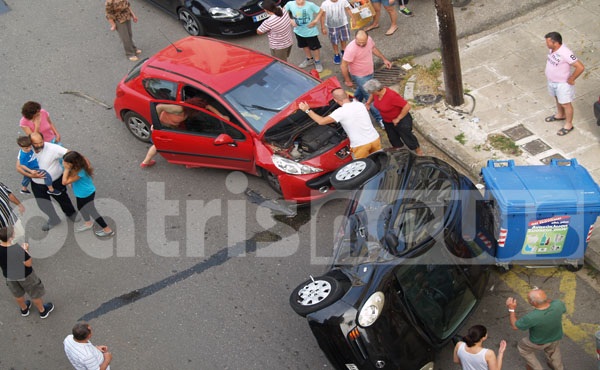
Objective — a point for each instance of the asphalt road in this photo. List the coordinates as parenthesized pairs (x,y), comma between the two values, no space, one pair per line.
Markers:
(179,299)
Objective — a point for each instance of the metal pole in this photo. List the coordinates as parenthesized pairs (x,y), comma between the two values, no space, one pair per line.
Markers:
(449,48)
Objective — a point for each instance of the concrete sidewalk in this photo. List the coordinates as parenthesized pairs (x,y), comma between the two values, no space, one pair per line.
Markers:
(503,71)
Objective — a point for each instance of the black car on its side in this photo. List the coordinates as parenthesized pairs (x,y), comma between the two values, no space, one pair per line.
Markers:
(218,17)
(410,264)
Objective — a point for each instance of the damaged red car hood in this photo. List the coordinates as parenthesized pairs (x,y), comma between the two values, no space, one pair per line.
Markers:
(319,96)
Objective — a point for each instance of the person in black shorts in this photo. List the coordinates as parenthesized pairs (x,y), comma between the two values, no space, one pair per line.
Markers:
(15,262)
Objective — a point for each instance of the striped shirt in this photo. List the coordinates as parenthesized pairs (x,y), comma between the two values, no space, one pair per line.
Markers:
(279,31)
(7,216)
(83,356)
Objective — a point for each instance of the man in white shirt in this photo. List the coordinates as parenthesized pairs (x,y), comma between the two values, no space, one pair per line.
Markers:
(355,119)
(49,155)
(82,353)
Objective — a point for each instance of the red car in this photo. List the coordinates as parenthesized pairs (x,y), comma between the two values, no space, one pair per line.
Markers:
(259,128)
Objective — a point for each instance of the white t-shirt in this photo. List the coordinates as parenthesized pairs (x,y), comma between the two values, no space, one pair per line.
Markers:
(49,160)
(335,15)
(83,356)
(354,118)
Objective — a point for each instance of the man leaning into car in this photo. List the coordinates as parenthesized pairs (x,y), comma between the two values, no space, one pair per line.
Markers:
(355,119)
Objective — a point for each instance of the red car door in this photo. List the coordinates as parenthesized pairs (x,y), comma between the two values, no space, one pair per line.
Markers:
(202,139)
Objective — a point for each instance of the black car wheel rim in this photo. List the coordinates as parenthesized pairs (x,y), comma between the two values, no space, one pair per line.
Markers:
(189,22)
(138,128)
(350,171)
(314,292)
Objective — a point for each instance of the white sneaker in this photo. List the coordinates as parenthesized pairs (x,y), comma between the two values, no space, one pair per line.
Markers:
(319,66)
(381,124)
(306,62)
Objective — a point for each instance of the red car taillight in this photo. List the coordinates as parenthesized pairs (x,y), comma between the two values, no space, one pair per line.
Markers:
(120,92)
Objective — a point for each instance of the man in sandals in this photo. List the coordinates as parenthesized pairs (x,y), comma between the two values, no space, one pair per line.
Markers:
(561,82)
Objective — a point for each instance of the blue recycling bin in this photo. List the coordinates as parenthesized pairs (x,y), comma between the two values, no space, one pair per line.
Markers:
(542,215)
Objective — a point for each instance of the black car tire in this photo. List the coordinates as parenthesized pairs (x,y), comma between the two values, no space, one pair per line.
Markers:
(353,174)
(138,126)
(190,22)
(324,290)
(272,180)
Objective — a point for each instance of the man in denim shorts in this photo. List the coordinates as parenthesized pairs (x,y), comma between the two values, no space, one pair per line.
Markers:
(561,82)
(15,262)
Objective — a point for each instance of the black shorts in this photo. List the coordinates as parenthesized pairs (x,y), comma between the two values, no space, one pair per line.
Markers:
(311,42)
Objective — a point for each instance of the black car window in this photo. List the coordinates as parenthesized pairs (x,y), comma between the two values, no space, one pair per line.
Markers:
(189,92)
(186,118)
(439,295)
(161,89)
(424,207)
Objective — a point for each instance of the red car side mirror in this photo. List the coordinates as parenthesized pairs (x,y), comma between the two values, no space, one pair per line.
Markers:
(315,74)
(224,139)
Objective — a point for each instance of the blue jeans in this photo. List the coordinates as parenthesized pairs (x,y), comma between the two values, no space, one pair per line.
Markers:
(47,178)
(362,96)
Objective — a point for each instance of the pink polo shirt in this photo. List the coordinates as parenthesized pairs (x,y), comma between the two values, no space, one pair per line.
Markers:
(558,66)
(360,58)
(45,129)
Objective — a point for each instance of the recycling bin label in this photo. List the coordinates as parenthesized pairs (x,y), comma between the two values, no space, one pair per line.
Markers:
(546,236)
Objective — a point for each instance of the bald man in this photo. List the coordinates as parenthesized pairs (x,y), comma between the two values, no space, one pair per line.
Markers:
(354,118)
(545,329)
(357,66)
(49,155)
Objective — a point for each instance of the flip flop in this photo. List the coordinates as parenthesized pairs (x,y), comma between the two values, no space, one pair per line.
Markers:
(553,118)
(144,165)
(371,28)
(388,33)
(563,131)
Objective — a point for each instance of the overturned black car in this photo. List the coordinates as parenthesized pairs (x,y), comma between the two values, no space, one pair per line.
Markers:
(410,264)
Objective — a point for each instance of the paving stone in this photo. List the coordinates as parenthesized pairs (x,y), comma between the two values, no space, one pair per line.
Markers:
(536,147)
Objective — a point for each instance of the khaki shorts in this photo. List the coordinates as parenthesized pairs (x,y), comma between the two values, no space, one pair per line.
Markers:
(363,151)
(282,54)
(32,285)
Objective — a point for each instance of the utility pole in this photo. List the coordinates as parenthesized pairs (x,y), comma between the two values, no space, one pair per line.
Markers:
(450,55)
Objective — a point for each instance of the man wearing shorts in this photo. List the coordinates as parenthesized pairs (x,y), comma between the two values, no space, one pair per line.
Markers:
(561,82)
(15,262)
(354,118)
(334,18)
(305,15)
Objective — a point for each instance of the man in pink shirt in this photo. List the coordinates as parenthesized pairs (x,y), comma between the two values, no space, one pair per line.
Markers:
(357,66)
(561,82)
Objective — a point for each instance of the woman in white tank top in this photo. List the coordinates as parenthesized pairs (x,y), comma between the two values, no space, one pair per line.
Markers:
(471,354)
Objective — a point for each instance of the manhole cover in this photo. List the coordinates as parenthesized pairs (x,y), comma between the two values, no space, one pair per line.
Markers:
(549,159)
(390,76)
(428,99)
(536,147)
(3,7)
(518,132)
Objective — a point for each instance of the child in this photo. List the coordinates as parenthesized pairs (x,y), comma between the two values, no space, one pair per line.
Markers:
(79,173)
(337,25)
(30,165)
(305,15)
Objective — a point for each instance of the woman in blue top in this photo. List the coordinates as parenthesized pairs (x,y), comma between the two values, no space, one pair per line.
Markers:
(79,173)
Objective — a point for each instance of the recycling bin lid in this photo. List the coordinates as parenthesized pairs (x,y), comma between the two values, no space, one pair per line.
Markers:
(551,186)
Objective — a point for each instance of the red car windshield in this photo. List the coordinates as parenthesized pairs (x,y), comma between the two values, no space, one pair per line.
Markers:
(269,91)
